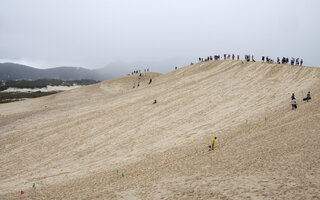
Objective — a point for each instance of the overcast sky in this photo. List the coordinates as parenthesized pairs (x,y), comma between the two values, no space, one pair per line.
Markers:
(96,33)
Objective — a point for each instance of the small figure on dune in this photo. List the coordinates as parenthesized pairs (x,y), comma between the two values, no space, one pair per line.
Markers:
(308,97)
(150,81)
(138,85)
(212,143)
(294,103)
(154,102)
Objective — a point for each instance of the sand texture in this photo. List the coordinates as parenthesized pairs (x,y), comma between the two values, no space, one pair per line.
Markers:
(71,144)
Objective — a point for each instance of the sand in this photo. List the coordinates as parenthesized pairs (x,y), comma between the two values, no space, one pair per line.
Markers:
(71,144)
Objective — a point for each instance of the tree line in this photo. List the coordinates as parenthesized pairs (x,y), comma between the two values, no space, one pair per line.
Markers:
(41,83)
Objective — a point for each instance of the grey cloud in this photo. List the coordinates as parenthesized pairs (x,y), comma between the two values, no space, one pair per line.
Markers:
(96,33)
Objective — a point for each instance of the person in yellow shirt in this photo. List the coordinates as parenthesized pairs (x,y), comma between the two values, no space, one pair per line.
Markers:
(212,143)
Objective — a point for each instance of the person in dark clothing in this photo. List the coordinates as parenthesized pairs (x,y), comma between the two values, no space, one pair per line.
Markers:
(150,81)
(294,104)
(308,97)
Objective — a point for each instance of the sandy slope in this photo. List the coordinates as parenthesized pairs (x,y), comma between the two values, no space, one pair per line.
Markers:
(71,144)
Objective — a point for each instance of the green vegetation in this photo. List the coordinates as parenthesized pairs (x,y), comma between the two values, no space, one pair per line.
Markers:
(41,83)
(6,97)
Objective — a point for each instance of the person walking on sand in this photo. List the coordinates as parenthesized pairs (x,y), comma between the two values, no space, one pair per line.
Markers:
(294,103)
(212,143)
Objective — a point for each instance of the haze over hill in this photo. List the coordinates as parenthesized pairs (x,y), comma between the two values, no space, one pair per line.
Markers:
(78,143)
(12,71)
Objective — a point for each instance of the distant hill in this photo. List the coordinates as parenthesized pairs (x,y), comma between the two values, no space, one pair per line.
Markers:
(12,71)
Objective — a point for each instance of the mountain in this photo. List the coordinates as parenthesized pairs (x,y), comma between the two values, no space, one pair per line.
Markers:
(12,71)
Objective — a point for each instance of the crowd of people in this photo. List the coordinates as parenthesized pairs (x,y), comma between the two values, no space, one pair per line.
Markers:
(248,58)
(139,71)
(141,74)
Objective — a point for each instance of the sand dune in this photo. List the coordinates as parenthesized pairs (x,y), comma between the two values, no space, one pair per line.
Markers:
(71,144)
